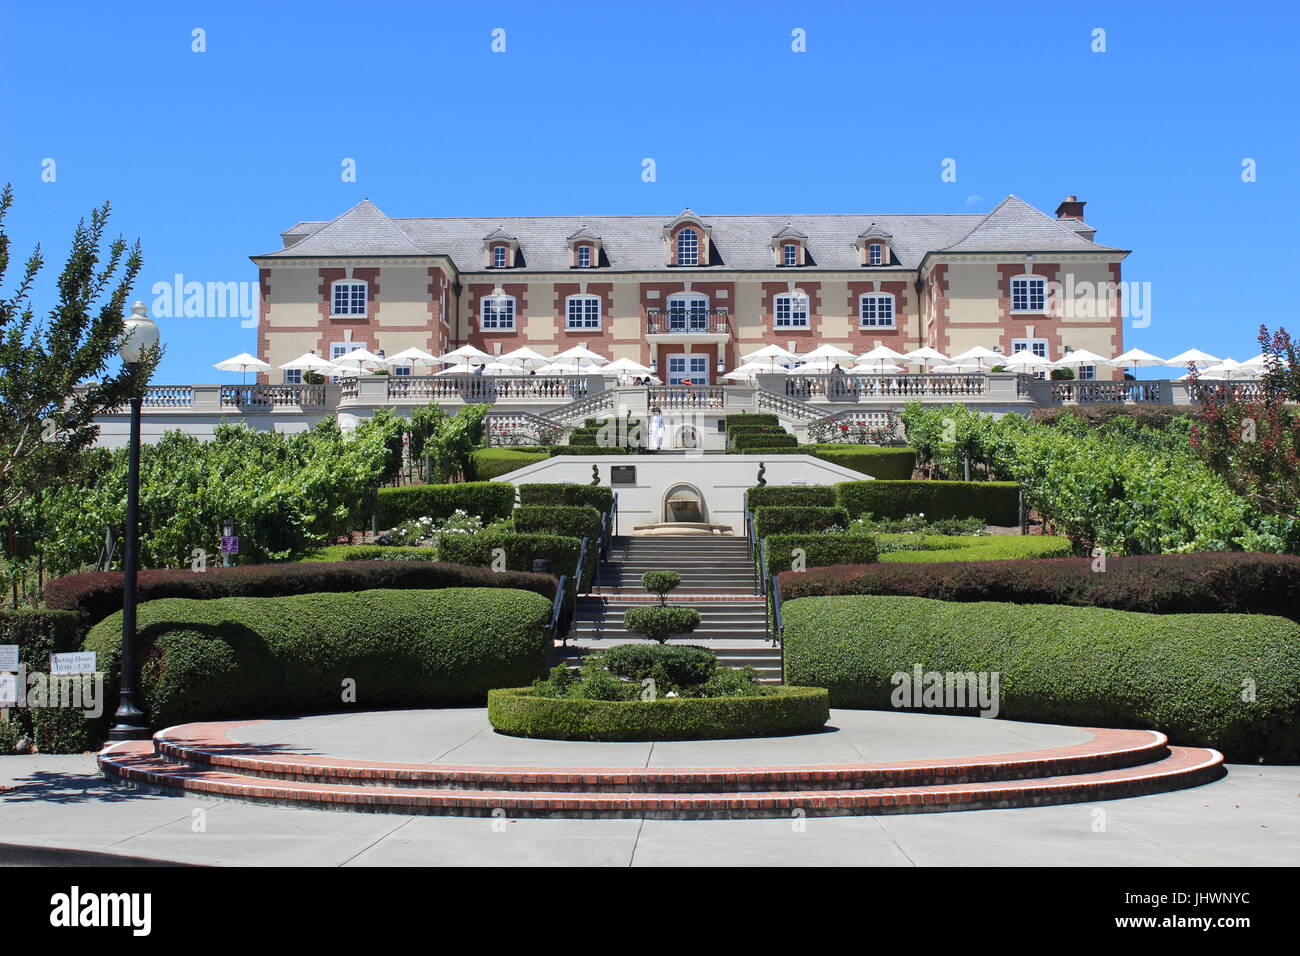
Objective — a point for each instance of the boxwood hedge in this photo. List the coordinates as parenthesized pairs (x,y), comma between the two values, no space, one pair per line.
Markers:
(885,464)
(243,657)
(752,419)
(96,595)
(744,441)
(520,549)
(40,633)
(600,497)
(490,500)
(1160,583)
(997,502)
(775,711)
(485,464)
(790,496)
(819,550)
(1182,674)
(797,519)
(996,547)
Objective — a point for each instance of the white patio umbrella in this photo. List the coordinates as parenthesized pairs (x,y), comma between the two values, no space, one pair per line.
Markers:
(309,362)
(827,351)
(771,352)
(1080,357)
(816,366)
(580,354)
(466,353)
(626,365)
(1229,368)
(523,356)
(242,363)
(558,368)
(960,367)
(926,356)
(878,369)
(1024,360)
(1193,357)
(464,368)
(358,360)
(1259,364)
(1136,358)
(978,355)
(881,355)
(412,356)
(500,368)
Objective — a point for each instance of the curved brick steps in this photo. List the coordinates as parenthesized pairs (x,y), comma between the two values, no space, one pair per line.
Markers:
(201,759)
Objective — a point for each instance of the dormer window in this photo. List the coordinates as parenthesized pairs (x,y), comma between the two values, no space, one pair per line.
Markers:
(584,257)
(349,298)
(1029,294)
(500,257)
(584,249)
(500,249)
(875,254)
(790,254)
(873,246)
(688,247)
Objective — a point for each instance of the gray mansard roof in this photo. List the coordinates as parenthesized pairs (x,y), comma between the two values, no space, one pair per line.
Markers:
(636,243)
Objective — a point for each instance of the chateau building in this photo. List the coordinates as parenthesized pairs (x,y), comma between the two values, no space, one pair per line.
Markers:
(689,295)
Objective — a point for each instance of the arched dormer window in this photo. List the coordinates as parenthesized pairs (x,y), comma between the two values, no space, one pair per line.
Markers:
(688,312)
(688,247)
(582,312)
(876,311)
(497,313)
(349,297)
(790,311)
(1029,294)
(500,256)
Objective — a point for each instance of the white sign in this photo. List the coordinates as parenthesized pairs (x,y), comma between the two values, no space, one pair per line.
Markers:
(82,662)
(8,657)
(8,690)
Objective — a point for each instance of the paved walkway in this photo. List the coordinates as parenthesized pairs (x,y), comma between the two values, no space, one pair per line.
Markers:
(1251,817)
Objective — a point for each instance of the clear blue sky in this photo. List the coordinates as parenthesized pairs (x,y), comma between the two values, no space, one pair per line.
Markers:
(207,157)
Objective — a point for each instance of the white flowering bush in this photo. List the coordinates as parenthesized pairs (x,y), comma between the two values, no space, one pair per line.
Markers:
(427,532)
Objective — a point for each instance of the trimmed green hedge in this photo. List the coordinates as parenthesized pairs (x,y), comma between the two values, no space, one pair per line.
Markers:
(53,730)
(521,550)
(941,547)
(591,450)
(687,664)
(1181,674)
(743,442)
(39,634)
(820,550)
(600,497)
(485,464)
(997,502)
(567,520)
(790,496)
(1158,583)
(253,657)
(752,420)
(775,711)
(372,552)
(885,464)
(490,500)
(797,520)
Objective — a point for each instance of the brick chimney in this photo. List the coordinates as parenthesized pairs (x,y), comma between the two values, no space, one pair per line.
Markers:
(1070,209)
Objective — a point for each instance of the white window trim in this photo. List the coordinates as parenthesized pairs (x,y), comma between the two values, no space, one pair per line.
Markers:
(687,297)
(505,256)
(875,254)
(514,314)
(785,249)
(293,376)
(569,326)
(1018,344)
(1011,294)
(583,250)
(695,256)
(365,287)
(792,324)
(893,310)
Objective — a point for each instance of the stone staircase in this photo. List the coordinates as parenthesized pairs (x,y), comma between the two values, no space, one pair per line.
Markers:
(717,579)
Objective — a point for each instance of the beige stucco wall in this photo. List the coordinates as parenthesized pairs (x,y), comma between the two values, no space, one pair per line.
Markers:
(973,293)
(294,299)
(403,296)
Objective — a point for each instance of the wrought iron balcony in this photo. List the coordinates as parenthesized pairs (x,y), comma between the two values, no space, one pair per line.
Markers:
(689,322)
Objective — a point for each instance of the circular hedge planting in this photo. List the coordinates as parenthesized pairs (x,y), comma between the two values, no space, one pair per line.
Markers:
(774,711)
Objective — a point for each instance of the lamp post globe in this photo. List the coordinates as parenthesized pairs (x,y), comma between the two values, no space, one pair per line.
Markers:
(140,335)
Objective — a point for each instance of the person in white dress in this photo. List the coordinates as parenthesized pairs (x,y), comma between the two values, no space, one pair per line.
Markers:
(656,429)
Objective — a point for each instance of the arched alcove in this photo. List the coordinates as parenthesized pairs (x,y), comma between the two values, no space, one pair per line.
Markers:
(685,503)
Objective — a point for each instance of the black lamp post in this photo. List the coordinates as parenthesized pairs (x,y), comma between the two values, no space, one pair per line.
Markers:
(141,335)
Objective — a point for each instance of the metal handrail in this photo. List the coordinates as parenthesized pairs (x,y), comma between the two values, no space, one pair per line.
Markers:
(780,627)
(602,548)
(557,608)
(582,563)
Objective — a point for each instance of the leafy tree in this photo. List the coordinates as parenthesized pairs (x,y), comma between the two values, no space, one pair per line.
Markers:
(45,421)
(1253,442)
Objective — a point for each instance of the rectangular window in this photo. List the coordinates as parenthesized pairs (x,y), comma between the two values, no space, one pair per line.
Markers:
(584,257)
(293,376)
(791,312)
(1037,346)
(349,298)
(340,349)
(498,257)
(877,312)
(1028,295)
(583,312)
(498,313)
(875,254)
(1087,373)
(692,368)
(400,370)
(688,314)
(791,254)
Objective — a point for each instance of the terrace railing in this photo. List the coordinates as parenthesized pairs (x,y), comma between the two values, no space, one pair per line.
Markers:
(698,322)
(504,429)
(273,396)
(843,387)
(686,396)
(168,396)
(486,388)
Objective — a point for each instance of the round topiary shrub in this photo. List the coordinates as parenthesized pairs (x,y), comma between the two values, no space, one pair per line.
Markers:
(686,664)
(658,623)
(769,711)
(660,583)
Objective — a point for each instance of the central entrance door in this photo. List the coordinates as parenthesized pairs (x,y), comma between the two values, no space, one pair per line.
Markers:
(684,366)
